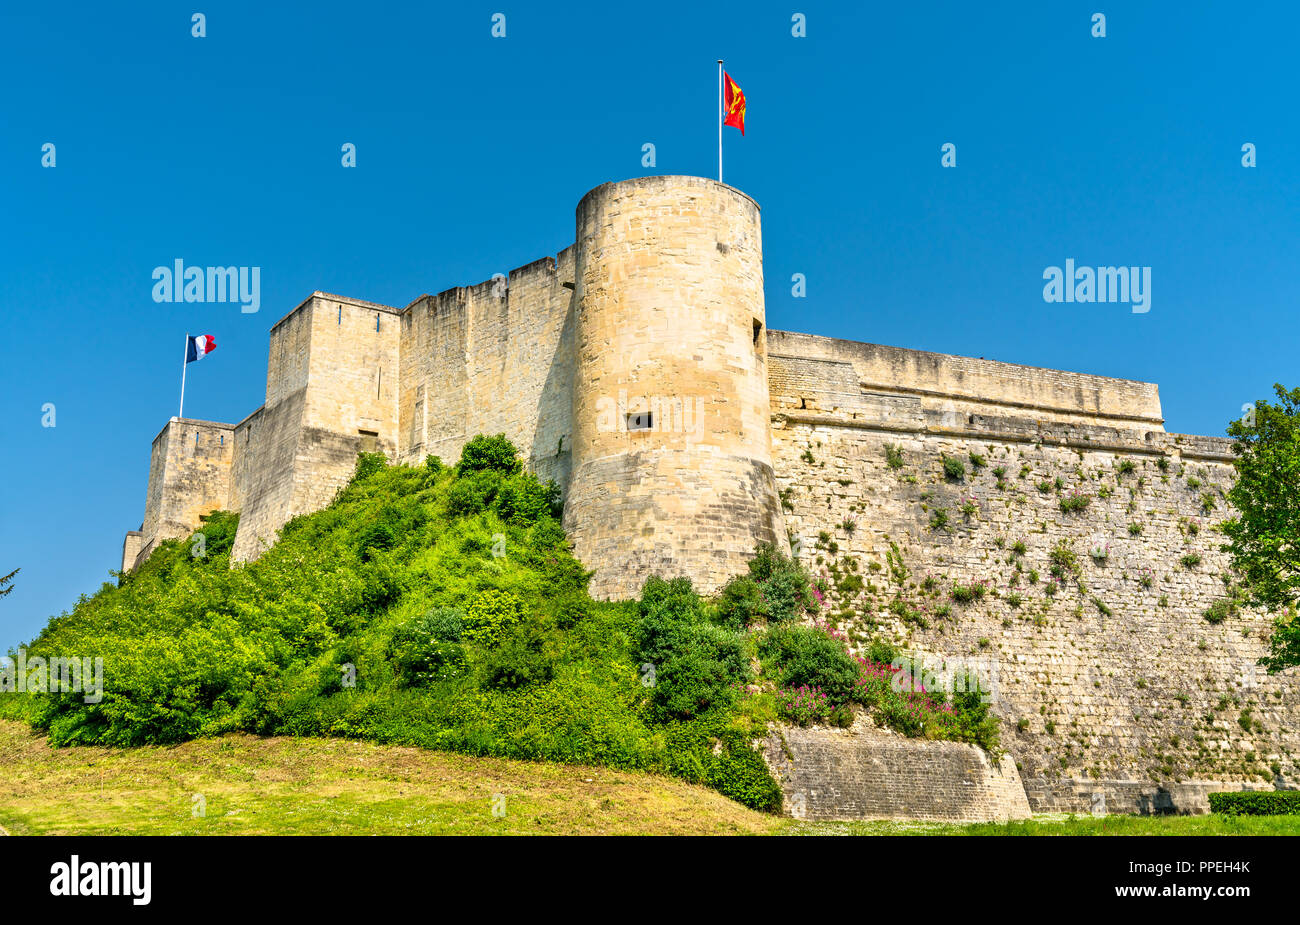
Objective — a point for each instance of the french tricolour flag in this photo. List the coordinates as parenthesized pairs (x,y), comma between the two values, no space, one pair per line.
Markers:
(200,346)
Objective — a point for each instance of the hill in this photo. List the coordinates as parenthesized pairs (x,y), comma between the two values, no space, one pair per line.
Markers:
(440,606)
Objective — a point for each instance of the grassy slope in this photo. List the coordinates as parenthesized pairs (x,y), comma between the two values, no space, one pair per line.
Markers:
(193,648)
(292,786)
(298,786)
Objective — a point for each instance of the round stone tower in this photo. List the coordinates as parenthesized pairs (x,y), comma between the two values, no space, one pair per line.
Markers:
(672,451)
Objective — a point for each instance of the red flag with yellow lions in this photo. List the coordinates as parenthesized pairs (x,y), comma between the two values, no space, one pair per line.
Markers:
(733,103)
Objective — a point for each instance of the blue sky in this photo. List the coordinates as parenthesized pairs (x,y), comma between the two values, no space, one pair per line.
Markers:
(472,152)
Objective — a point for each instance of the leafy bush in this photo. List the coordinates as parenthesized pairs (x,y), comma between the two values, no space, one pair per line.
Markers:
(690,683)
(427,647)
(970,592)
(667,609)
(367,465)
(473,494)
(491,614)
(489,454)
(523,500)
(740,773)
(1256,803)
(802,656)
(695,664)
(525,655)
(1064,561)
(953,468)
(1075,501)
(785,590)
(740,603)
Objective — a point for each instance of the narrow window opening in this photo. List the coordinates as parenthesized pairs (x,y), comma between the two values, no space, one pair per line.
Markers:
(376,321)
(340,314)
(758,329)
(641,421)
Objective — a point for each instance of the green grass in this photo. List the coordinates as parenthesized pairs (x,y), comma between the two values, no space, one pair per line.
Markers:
(314,786)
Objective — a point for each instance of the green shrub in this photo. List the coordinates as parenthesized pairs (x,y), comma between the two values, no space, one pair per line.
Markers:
(696,665)
(376,537)
(1064,561)
(522,500)
(881,651)
(218,531)
(473,493)
(1256,803)
(569,609)
(367,465)
(491,614)
(1220,610)
(489,454)
(802,656)
(1075,501)
(970,592)
(690,683)
(953,468)
(427,648)
(785,590)
(740,603)
(666,609)
(740,773)
(524,655)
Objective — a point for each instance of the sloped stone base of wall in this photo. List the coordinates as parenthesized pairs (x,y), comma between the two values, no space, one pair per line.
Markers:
(1137,797)
(869,773)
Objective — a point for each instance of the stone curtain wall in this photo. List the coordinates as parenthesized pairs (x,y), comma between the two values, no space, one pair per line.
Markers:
(964,384)
(865,773)
(1119,689)
(492,358)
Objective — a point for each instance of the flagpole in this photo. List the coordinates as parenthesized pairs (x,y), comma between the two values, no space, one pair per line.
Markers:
(185,361)
(720,117)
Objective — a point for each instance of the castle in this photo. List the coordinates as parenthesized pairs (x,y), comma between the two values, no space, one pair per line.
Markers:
(635,368)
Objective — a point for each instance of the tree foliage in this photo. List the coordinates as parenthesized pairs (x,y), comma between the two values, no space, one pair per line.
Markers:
(1264,535)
